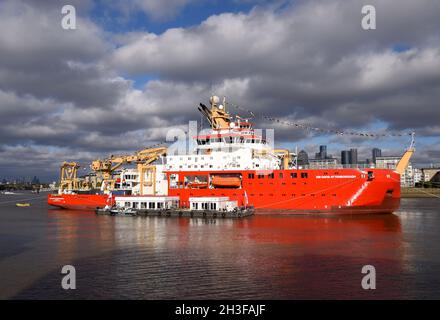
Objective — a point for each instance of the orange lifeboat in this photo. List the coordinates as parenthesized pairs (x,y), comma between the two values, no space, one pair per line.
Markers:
(225,181)
(198,185)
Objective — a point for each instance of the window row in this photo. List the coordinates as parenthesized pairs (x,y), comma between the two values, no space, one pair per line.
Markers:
(144,205)
(293,175)
(230,140)
(205,206)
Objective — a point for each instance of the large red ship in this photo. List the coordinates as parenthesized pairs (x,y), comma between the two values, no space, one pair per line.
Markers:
(232,160)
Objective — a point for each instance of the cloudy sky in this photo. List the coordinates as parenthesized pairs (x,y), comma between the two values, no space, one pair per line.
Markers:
(132,70)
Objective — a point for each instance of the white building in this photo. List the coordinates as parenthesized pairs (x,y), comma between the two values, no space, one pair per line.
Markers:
(428,174)
(148,202)
(408,178)
(418,175)
(212,203)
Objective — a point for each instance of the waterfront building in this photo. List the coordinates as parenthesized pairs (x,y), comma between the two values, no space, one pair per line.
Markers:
(418,176)
(345,157)
(303,158)
(408,178)
(353,156)
(430,175)
(376,152)
(323,160)
(329,163)
(349,158)
(322,152)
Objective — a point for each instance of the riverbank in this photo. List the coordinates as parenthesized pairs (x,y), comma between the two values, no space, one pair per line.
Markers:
(420,193)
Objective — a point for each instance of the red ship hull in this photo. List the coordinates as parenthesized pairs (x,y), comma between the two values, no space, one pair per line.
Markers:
(335,191)
(349,191)
(79,201)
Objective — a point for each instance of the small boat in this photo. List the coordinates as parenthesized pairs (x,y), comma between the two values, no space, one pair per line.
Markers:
(116,211)
(226,181)
(198,185)
(23,204)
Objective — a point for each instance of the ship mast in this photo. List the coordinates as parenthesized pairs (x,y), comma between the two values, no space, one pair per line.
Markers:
(217,116)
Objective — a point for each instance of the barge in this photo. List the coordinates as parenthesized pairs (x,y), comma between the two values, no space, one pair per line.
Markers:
(200,207)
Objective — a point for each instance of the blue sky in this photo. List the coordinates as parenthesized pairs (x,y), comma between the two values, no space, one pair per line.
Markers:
(115,21)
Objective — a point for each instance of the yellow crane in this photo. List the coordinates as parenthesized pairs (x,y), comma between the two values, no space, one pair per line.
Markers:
(142,158)
(68,176)
(285,155)
(404,161)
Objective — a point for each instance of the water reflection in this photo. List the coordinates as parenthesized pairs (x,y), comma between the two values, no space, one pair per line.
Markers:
(264,256)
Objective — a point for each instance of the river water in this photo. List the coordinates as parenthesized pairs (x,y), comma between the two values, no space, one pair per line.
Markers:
(260,257)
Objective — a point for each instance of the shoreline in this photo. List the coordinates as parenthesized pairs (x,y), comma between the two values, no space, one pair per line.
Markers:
(420,193)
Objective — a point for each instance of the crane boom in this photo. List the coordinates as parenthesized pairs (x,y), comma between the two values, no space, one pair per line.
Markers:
(404,161)
(68,176)
(143,157)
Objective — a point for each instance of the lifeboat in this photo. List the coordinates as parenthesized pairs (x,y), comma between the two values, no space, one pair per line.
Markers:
(226,181)
(198,185)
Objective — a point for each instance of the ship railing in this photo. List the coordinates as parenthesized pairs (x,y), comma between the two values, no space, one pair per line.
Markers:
(337,166)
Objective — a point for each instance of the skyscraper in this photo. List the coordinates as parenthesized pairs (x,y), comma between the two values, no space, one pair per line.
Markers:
(323,152)
(303,158)
(376,153)
(353,156)
(345,157)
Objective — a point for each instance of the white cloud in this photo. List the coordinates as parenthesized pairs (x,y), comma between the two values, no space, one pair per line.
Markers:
(308,62)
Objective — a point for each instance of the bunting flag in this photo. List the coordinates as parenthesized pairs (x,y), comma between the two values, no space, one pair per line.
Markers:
(323,130)
(161,143)
(305,127)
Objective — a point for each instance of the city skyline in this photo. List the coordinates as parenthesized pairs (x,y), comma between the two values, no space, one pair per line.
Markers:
(351,155)
(300,158)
